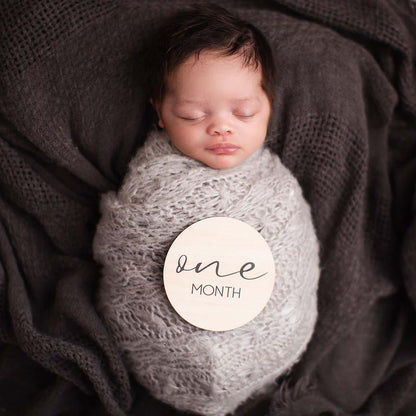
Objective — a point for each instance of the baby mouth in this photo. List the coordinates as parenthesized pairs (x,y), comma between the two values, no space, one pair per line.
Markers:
(223,148)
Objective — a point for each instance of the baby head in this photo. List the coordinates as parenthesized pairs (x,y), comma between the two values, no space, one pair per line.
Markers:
(212,85)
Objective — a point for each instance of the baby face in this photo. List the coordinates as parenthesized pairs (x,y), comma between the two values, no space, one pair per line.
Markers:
(215,110)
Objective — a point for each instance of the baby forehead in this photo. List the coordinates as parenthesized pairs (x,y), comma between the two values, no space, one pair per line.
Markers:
(186,101)
(213,71)
(203,60)
(214,78)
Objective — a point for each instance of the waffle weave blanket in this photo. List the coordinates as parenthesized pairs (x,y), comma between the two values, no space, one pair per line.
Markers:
(72,114)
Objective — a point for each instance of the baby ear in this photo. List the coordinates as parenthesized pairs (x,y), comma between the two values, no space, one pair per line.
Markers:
(156,107)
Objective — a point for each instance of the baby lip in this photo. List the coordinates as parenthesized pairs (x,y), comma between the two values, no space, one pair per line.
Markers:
(223,146)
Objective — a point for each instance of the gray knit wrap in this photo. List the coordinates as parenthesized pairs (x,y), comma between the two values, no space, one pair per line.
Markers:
(163,193)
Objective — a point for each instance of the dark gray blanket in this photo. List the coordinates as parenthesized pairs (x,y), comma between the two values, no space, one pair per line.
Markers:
(73,113)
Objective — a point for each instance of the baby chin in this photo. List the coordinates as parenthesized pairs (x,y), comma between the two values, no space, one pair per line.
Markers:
(224,158)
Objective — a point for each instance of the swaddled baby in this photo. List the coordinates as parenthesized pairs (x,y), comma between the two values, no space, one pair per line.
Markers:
(212,88)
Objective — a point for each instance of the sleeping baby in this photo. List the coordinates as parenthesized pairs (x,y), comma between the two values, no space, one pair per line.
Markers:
(212,87)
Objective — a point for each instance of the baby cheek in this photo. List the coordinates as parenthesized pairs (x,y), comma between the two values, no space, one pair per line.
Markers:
(185,140)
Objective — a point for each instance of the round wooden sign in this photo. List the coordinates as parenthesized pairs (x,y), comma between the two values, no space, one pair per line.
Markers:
(219,274)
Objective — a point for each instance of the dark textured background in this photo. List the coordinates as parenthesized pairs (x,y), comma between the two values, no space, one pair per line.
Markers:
(73,113)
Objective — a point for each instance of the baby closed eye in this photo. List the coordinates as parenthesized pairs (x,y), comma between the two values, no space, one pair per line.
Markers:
(191,118)
(244,112)
(244,115)
(200,117)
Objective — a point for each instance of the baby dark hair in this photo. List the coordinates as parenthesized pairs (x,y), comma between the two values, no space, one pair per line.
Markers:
(208,27)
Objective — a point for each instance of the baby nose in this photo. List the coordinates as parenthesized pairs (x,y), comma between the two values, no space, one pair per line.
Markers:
(220,127)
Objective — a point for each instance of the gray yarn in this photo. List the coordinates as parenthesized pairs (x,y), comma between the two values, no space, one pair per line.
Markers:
(163,193)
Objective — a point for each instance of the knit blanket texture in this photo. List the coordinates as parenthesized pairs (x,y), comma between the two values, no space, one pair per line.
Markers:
(72,114)
(163,193)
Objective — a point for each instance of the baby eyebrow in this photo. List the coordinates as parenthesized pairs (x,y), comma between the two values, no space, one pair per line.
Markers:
(244,100)
(236,100)
(186,101)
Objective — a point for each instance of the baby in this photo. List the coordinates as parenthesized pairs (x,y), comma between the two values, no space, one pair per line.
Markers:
(212,87)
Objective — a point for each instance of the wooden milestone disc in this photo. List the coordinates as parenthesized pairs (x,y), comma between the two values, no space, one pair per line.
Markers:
(219,273)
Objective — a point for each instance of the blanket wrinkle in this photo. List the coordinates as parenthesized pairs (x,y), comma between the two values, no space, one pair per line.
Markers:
(408,255)
(290,391)
(374,20)
(42,165)
(28,185)
(40,331)
(356,166)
